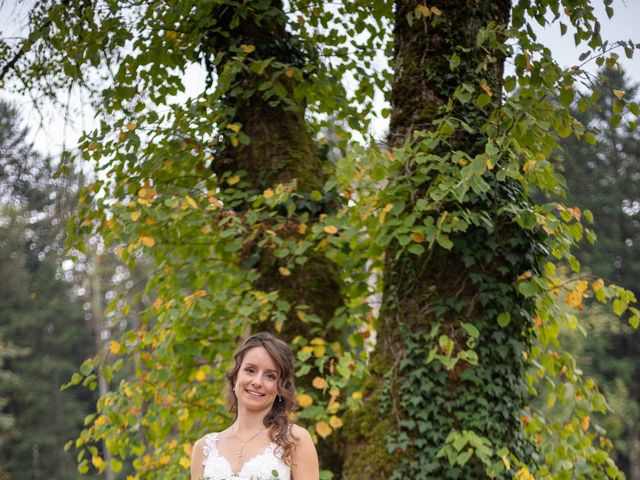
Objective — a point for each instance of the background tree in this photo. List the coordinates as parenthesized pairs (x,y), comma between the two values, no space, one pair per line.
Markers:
(602,177)
(39,315)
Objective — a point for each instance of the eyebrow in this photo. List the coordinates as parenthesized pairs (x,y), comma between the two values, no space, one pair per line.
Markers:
(249,364)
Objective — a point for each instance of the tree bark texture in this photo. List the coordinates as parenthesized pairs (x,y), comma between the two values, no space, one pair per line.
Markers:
(281,150)
(410,405)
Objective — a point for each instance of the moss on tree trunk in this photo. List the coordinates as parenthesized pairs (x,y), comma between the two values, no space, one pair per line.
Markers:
(413,403)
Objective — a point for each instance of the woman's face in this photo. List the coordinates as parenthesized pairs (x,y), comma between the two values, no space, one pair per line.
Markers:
(257,383)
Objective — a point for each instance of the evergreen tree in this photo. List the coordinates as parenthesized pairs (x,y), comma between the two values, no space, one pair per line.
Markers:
(603,177)
(38,315)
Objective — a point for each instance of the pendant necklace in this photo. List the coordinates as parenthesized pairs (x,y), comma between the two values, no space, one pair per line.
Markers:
(243,443)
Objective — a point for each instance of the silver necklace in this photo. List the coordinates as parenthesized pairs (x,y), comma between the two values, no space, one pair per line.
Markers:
(243,443)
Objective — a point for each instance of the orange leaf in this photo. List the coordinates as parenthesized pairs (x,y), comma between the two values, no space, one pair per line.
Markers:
(147,241)
(597,285)
(335,422)
(319,382)
(304,400)
(323,429)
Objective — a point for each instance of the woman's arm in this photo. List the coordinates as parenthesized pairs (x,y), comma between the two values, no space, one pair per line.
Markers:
(305,458)
(197,460)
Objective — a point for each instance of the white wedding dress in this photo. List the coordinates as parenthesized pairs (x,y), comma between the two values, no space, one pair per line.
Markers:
(265,466)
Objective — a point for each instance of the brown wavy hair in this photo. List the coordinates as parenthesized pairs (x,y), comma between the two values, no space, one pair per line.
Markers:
(277,420)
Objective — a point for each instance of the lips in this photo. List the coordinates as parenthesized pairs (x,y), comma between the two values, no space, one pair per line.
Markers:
(254,394)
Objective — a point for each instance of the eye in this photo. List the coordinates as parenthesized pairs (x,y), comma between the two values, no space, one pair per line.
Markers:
(249,370)
(271,376)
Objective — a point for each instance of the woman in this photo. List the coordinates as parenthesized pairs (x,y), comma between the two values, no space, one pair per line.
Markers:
(262,442)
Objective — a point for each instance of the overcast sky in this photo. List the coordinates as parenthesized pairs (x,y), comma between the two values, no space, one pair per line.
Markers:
(53,132)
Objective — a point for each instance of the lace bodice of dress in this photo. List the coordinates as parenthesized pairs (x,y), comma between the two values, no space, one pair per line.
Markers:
(265,466)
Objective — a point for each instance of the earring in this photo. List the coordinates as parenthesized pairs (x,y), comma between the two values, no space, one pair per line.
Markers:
(233,388)
(279,398)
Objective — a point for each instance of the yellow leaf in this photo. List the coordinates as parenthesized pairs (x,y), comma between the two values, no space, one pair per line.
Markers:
(333,406)
(268,193)
(323,429)
(233,180)
(573,299)
(290,72)
(423,10)
(131,126)
(507,464)
(331,229)
(584,423)
(127,391)
(164,460)
(247,48)
(486,89)
(319,382)
(136,215)
(619,93)
(301,316)
(234,141)
(304,400)
(387,207)
(418,237)
(147,241)
(97,461)
(529,165)
(184,462)
(319,351)
(101,420)
(234,127)
(170,34)
(524,276)
(597,285)
(356,395)
(302,228)
(191,202)
(582,285)
(436,11)
(114,347)
(200,376)
(317,341)
(335,422)
(284,271)
(488,163)
(92,146)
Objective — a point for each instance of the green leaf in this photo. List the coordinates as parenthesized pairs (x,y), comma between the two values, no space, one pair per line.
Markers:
(483,100)
(619,307)
(471,330)
(504,319)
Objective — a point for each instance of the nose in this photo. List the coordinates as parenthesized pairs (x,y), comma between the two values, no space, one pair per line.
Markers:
(257,381)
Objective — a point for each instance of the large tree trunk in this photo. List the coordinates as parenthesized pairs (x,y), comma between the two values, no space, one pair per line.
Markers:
(281,151)
(411,406)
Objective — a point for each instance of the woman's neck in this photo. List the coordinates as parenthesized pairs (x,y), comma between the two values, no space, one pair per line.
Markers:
(248,422)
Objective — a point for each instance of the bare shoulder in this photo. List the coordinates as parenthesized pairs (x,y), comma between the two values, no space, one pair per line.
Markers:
(199,445)
(197,459)
(305,458)
(301,434)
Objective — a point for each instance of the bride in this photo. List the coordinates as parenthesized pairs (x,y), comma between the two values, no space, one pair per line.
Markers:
(262,443)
